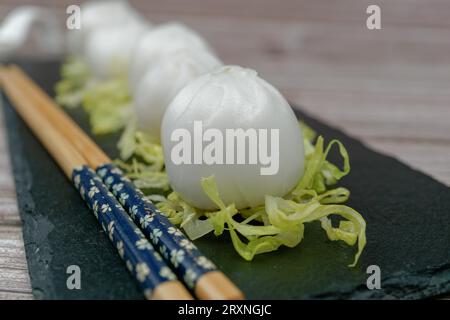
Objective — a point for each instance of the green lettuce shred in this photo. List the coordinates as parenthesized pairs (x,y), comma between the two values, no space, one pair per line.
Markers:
(107,102)
(75,78)
(142,159)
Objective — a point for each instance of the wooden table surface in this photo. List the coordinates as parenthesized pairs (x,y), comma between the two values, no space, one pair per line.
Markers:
(389,87)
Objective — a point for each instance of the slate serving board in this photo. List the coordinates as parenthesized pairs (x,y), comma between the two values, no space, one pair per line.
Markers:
(407,214)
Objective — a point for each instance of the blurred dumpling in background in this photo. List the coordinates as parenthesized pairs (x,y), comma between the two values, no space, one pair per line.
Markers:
(160,41)
(163,80)
(96,14)
(25,23)
(122,61)
(108,49)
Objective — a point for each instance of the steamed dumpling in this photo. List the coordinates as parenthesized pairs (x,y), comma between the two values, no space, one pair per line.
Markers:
(108,50)
(232,98)
(159,42)
(98,14)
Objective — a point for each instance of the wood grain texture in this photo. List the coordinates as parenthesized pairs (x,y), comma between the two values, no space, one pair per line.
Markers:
(388,87)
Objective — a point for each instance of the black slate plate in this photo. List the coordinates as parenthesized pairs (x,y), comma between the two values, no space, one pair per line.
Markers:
(407,214)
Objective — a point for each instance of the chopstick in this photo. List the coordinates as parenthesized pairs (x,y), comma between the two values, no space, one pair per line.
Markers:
(198,272)
(149,269)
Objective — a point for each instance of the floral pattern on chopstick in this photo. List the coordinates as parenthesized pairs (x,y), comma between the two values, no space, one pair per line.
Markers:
(140,257)
(184,257)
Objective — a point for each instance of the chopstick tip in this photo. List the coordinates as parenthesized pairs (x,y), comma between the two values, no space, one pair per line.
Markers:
(215,285)
(171,290)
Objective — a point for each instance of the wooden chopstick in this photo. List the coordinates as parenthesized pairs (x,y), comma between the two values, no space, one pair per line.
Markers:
(63,152)
(153,275)
(62,122)
(198,272)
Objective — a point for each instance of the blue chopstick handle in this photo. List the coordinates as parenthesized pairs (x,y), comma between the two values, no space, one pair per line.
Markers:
(184,257)
(141,259)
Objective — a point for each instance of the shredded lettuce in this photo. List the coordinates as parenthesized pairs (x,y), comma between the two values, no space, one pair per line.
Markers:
(142,160)
(286,219)
(144,176)
(75,78)
(107,102)
(281,221)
